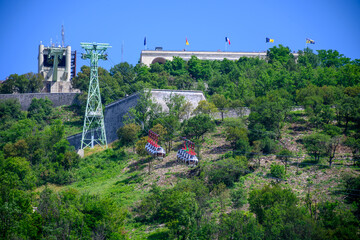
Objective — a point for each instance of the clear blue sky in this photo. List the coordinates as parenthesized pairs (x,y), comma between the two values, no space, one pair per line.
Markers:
(206,23)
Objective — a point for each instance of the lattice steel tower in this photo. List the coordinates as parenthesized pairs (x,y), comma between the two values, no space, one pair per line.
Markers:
(94,128)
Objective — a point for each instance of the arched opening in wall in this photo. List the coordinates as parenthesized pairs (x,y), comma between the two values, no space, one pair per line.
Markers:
(159,60)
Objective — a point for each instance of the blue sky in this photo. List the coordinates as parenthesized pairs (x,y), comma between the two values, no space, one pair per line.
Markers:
(206,23)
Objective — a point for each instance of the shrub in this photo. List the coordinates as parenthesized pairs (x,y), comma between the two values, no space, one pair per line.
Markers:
(277,171)
(226,171)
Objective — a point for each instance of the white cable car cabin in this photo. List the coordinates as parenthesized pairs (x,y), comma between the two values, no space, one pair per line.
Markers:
(188,158)
(155,150)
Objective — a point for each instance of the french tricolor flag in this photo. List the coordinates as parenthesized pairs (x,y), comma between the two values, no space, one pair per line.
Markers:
(227,40)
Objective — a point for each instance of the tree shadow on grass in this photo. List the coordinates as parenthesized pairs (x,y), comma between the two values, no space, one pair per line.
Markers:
(139,165)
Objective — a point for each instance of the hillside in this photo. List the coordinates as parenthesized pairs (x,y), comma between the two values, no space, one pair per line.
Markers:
(127,180)
(274,174)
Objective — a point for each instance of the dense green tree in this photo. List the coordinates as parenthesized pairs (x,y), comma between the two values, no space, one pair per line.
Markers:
(276,209)
(199,125)
(226,171)
(238,138)
(308,58)
(332,58)
(221,103)
(205,107)
(10,110)
(315,145)
(277,171)
(240,225)
(146,111)
(267,116)
(176,104)
(40,109)
(128,134)
(281,54)
(26,83)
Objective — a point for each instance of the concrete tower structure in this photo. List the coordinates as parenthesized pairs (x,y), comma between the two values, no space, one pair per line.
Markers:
(58,66)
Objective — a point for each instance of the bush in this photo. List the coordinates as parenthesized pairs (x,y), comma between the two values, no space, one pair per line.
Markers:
(226,171)
(277,171)
(268,145)
(238,194)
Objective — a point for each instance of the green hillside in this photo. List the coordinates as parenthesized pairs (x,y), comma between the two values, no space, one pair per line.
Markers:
(288,170)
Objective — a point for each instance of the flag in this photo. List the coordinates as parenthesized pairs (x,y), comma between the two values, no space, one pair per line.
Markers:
(269,40)
(187,42)
(144,41)
(227,40)
(308,40)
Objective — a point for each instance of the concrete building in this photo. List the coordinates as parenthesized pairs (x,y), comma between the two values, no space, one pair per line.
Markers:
(58,66)
(150,56)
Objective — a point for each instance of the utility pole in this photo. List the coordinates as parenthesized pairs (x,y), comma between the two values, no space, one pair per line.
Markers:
(94,128)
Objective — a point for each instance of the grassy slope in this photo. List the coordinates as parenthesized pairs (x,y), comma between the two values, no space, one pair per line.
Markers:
(126,179)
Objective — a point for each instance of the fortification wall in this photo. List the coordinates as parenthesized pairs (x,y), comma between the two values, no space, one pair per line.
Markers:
(58,99)
(193,97)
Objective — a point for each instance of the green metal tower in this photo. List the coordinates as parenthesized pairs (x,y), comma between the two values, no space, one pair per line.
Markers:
(94,128)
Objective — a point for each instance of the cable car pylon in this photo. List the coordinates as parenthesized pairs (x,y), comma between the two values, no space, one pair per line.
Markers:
(94,128)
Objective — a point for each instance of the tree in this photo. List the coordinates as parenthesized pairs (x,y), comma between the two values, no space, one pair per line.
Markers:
(332,58)
(35,82)
(145,111)
(205,107)
(345,109)
(240,225)
(284,155)
(316,144)
(199,125)
(226,171)
(140,146)
(221,103)
(128,134)
(238,138)
(354,144)
(176,104)
(10,109)
(331,147)
(40,109)
(277,171)
(308,57)
(267,115)
(277,211)
(26,83)
(281,54)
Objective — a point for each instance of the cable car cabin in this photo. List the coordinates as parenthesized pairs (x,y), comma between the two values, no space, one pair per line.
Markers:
(153,148)
(188,158)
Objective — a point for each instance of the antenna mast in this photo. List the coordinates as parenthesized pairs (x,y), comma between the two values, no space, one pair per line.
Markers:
(62,36)
(94,128)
